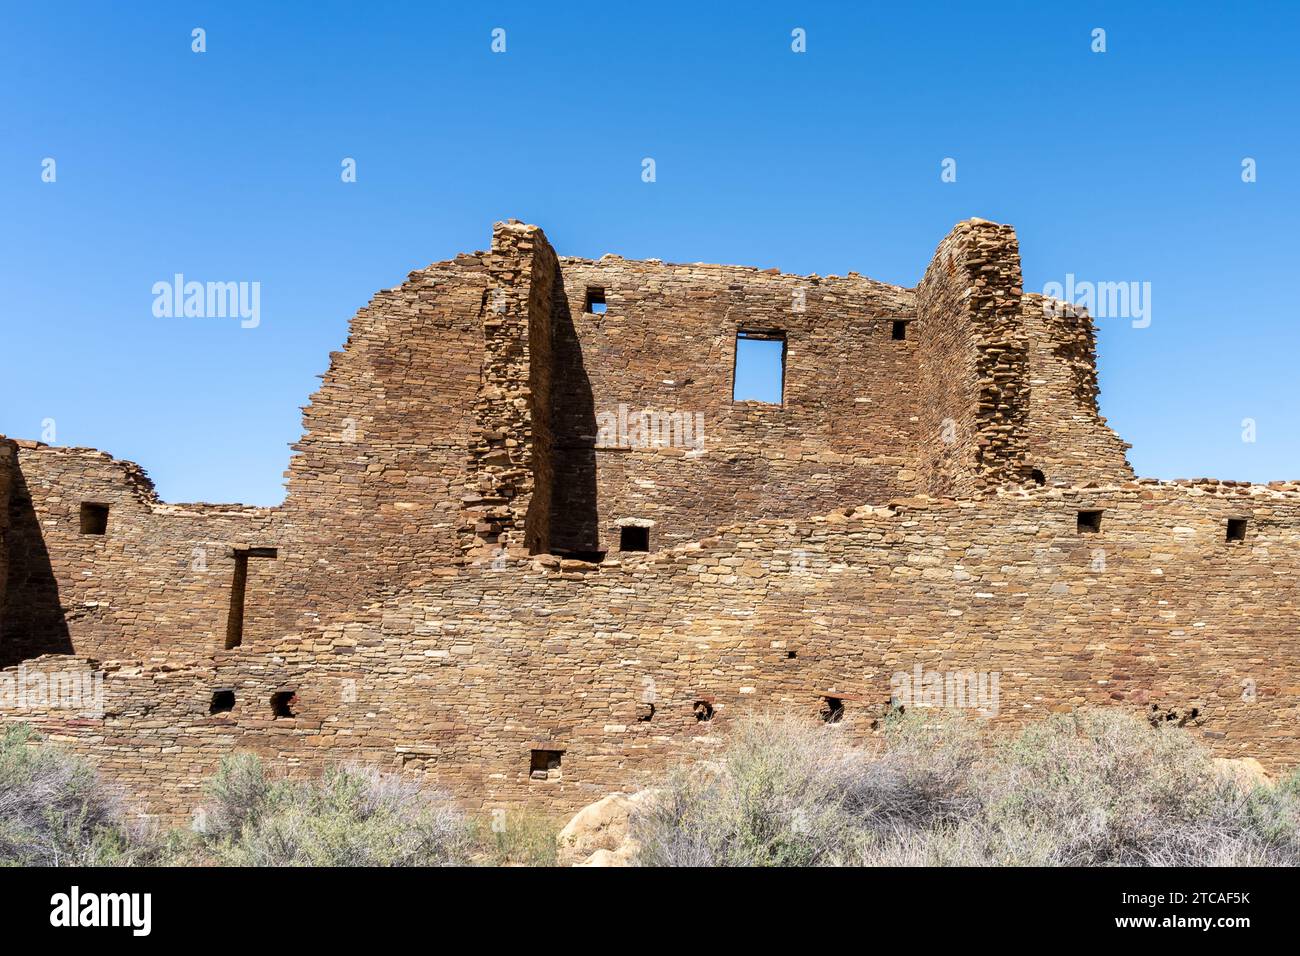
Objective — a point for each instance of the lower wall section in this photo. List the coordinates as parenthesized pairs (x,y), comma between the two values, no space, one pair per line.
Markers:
(8,475)
(610,667)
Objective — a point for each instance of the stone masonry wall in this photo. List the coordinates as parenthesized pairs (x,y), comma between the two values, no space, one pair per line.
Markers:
(1067,439)
(8,476)
(974,361)
(513,431)
(461,678)
(429,596)
(845,431)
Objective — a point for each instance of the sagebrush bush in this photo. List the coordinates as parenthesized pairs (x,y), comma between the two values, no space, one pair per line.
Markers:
(55,811)
(1098,787)
(518,838)
(351,816)
(777,796)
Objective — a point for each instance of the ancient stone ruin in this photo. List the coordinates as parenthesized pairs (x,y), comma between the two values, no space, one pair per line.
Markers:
(534,549)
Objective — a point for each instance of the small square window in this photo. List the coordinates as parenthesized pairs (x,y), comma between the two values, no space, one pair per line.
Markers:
(94,518)
(898,332)
(832,710)
(545,764)
(703,710)
(595,303)
(633,538)
(1236,529)
(282,703)
(1089,522)
(223,702)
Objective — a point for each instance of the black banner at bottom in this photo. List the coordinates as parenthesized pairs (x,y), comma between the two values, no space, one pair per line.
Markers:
(329,906)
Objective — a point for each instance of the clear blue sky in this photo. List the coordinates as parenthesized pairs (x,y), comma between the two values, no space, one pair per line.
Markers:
(1122,166)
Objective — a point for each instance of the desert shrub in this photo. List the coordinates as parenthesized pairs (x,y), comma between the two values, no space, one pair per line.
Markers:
(518,838)
(351,816)
(1098,787)
(1095,787)
(782,793)
(240,792)
(55,810)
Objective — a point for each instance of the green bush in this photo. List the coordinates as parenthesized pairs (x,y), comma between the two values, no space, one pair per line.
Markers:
(55,811)
(1098,787)
(518,838)
(351,816)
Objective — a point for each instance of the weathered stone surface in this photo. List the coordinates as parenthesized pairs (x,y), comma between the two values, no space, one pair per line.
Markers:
(598,834)
(1246,772)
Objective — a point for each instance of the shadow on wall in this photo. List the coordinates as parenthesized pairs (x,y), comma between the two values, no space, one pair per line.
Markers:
(574,522)
(31,621)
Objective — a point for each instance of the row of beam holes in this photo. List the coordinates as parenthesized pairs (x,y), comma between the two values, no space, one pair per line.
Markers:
(545,764)
(282,703)
(94,520)
(701,708)
(1089,522)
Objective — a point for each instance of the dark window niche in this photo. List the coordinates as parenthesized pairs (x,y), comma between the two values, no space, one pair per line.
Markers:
(223,702)
(544,764)
(94,518)
(832,711)
(1038,477)
(595,301)
(1236,529)
(1089,522)
(703,711)
(898,330)
(633,538)
(282,703)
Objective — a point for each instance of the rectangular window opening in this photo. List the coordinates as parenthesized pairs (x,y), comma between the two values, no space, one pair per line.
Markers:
(633,538)
(595,302)
(759,374)
(898,331)
(282,703)
(238,586)
(545,764)
(1236,529)
(1089,522)
(832,711)
(94,518)
(223,702)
